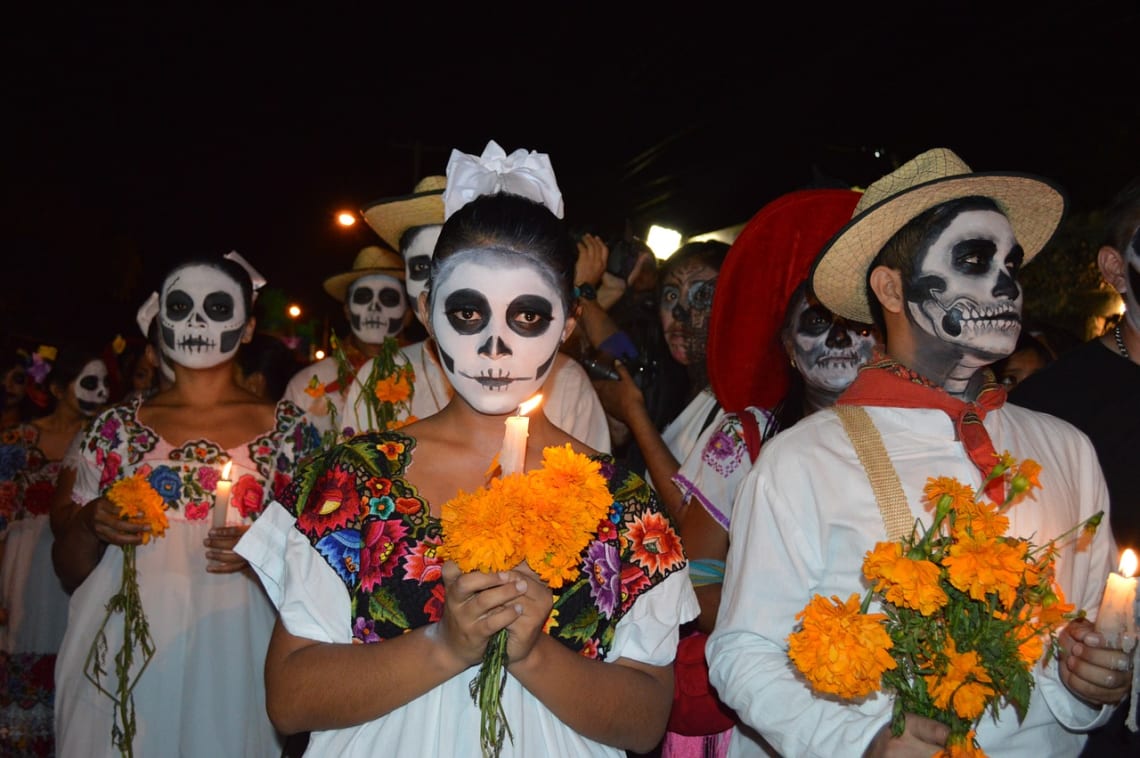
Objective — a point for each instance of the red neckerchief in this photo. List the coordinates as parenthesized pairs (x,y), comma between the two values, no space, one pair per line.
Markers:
(888,383)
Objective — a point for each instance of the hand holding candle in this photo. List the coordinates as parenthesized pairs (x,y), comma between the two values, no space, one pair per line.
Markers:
(222,496)
(1118,616)
(512,458)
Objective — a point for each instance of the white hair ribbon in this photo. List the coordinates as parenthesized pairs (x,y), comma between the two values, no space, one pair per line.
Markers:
(254,275)
(522,172)
(146,313)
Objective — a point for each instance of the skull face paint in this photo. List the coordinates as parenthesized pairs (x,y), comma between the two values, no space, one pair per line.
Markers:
(202,316)
(828,350)
(964,290)
(419,247)
(1132,269)
(376,307)
(498,320)
(685,307)
(92,387)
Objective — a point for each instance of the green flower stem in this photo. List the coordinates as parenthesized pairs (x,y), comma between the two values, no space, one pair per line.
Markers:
(487,692)
(136,636)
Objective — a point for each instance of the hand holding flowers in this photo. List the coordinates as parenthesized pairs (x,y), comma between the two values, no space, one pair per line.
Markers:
(965,612)
(139,503)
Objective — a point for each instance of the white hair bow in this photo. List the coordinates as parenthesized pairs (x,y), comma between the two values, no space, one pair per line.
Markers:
(522,172)
(254,275)
(146,313)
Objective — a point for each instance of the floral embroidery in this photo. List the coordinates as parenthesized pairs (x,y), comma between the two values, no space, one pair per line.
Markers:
(386,556)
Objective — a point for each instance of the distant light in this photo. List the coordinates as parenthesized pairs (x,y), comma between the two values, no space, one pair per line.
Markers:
(663,241)
(346,218)
(319,355)
(294,311)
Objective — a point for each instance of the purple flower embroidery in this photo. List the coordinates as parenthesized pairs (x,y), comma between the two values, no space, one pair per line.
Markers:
(364,630)
(722,452)
(604,566)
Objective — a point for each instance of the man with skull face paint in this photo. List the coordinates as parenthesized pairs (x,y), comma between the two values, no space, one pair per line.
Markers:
(1096,387)
(337,397)
(33,604)
(931,254)
(412,224)
(499,303)
(202,691)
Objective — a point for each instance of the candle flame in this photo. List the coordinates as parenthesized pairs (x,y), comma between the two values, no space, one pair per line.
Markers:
(226,469)
(530,405)
(1128,563)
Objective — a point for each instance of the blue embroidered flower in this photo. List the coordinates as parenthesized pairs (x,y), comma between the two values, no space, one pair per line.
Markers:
(381,506)
(167,483)
(342,551)
(13,458)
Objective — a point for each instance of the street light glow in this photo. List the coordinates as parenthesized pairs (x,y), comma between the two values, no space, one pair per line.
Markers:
(294,311)
(346,218)
(663,241)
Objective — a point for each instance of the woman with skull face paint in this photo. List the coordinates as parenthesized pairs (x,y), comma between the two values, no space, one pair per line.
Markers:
(33,604)
(688,279)
(498,304)
(202,693)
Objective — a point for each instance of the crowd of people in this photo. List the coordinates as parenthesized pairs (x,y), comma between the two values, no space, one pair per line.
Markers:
(285,575)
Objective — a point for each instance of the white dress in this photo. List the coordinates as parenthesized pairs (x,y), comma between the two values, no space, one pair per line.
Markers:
(636,618)
(202,694)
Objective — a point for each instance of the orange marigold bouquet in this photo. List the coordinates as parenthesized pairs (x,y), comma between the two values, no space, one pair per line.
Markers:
(966,612)
(138,501)
(545,517)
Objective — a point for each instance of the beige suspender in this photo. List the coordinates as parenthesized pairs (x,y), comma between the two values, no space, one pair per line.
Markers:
(884,481)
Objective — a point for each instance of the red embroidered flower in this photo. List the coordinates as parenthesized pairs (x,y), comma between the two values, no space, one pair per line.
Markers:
(379,486)
(247,496)
(333,503)
(196,511)
(110,463)
(381,551)
(37,498)
(421,563)
(434,607)
(408,505)
(633,583)
(7,498)
(656,546)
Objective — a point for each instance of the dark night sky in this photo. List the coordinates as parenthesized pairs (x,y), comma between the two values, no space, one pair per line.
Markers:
(136,137)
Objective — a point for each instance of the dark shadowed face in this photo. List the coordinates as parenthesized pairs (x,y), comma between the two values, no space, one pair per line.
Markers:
(828,350)
(685,307)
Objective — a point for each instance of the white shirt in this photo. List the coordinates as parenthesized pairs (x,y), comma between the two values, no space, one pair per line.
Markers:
(802,522)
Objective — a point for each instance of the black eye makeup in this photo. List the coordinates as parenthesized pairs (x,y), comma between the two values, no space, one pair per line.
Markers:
(467,311)
(530,315)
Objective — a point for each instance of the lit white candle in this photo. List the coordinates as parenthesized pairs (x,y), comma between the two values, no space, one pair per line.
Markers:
(1118,616)
(222,496)
(512,458)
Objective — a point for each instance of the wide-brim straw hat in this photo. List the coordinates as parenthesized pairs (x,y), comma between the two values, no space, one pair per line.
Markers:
(371,260)
(1033,205)
(392,216)
(770,257)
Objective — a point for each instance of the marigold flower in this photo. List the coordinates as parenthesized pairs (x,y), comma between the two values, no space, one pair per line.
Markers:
(139,501)
(984,520)
(980,566)
(393,389)
(839,650)
(961,495)
(964,684)
(905,582)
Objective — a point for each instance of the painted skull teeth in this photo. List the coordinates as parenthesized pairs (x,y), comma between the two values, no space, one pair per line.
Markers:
(197,344)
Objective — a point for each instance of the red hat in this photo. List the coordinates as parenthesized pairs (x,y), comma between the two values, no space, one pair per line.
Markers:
(771,256)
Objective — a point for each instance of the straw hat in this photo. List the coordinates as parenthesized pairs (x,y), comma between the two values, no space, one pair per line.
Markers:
(1033,205)
(392,216)
(769,258)
(371,260)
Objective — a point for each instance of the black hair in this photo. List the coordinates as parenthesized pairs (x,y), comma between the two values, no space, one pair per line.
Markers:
(709,252)
(904,249)
(515,225)
(69,361)
(1122,217)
